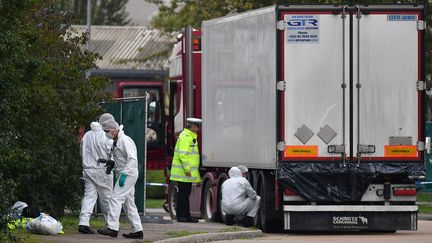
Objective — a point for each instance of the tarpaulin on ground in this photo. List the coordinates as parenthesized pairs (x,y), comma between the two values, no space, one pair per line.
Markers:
(336,182)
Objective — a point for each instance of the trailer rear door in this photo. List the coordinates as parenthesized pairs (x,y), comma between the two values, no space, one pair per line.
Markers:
(387,59)
(314,70)
(351,78)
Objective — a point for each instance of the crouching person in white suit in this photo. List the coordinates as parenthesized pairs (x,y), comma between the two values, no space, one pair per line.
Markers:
(239,198)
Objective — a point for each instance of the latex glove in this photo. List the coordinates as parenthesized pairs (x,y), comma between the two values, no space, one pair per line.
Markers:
(122,179)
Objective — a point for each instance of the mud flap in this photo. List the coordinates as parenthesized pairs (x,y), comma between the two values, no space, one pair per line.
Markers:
(350,221)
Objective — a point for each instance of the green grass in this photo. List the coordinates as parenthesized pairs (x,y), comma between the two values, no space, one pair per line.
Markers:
(24,236)
(425,209)
(70,223)
(231,229)
(424,197)
(156,192)
(154,203)
(174,234)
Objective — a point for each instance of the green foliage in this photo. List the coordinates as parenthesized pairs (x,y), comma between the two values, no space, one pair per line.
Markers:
(45,100)
(106,12)
(7,187)
(23,235)
(111,12)
(174,15)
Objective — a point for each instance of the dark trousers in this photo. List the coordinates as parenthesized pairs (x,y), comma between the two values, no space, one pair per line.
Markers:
(183,210)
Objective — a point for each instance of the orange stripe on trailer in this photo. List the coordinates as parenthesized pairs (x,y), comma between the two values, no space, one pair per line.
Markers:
(301,151)
(400,151)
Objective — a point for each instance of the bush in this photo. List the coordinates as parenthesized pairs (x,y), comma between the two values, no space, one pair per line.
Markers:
(7,188)
(45,98)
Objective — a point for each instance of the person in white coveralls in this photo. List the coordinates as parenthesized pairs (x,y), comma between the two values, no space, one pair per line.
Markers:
(95,145)
(126,171)
(239,198)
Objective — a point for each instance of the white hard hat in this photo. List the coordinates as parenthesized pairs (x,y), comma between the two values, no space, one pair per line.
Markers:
(192,120)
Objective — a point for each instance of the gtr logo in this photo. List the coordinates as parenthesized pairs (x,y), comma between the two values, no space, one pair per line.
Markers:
(303,22)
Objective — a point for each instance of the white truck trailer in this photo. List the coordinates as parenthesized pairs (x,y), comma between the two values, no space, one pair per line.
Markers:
(323,103)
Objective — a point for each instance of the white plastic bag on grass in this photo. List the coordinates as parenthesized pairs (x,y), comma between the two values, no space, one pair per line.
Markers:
(45,225)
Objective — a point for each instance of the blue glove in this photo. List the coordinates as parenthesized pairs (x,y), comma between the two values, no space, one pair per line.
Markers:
(122,179)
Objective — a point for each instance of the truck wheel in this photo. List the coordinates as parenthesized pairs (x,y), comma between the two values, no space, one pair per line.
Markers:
(209,209)
(257,181)
(221,214)
(251,177)
(265,217)
(172,199)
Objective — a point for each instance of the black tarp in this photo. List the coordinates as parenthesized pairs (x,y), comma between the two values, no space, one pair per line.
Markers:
(338,182)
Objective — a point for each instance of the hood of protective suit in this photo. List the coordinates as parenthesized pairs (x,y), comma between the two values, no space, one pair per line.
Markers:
(95,126)
(234,172)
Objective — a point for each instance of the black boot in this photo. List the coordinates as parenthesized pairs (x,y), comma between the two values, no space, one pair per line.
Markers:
(108,231)
(248,221)
(188,220)
(229,219)
(135,235)
(85,229)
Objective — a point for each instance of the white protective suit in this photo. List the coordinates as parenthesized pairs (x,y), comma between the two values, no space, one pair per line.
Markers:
(126,162)
(95,145)
(238,196)
(18,208)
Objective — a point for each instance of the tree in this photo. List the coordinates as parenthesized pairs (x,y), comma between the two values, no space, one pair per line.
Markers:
(179,13)
(45,99)
(104,12)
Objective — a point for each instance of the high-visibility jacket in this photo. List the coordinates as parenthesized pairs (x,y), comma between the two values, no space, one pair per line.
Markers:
(19,223)
(186,158)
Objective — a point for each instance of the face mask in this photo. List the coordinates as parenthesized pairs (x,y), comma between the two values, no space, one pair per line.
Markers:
(108,135)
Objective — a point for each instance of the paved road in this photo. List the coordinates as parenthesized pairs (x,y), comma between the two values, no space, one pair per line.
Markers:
(422,235)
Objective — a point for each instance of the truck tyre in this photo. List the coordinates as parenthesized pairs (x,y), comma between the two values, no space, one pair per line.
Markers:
(221,216)
(265,219)
(172,199)
(256,184)
(208,207)
(251,177)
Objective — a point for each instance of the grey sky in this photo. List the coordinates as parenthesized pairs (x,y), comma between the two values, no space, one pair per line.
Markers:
(140,11)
